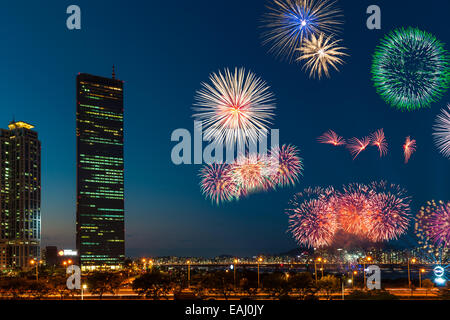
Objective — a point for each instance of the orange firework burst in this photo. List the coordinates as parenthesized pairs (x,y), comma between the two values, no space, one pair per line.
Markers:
(352,209)
(331,137)
(409,148)
(356,146)
(251,173)
(378,139)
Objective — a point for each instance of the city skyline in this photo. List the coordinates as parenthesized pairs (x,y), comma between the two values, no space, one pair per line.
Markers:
(166,212)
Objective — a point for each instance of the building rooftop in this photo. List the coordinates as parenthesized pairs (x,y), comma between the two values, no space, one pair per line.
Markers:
(20,124)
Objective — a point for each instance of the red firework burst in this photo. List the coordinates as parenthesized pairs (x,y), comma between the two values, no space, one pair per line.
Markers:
(356,146)
(331,137)
(378,139)
(409,148)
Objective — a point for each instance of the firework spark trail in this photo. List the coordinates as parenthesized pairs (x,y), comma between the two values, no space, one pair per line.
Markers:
(311,219)
(289,22)
(236,107)
(378,139)
(286,165)
(433,226)
(320,54)
(356,146)
(409,148)
(331,137)
(410,69)
(441,132)
(217,183)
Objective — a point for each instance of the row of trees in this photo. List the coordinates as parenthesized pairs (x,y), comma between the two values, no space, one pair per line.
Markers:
(278,285)
(158,284)
(99,283)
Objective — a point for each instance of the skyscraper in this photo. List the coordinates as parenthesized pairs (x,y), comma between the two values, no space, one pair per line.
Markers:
(100,172)
(20,195)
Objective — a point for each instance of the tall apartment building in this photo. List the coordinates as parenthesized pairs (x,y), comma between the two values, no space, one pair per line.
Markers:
(100,172)
(20,195)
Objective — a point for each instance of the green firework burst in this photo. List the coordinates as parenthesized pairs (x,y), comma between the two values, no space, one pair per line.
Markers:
(411,69)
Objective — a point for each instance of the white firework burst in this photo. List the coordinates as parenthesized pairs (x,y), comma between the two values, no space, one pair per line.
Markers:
(441,132)
(321,54)
(235,107)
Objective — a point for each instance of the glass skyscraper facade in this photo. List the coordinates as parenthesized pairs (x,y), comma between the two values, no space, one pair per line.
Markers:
(20,196)
(100,172)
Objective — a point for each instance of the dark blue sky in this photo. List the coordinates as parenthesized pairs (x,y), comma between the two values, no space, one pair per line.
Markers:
(163,50)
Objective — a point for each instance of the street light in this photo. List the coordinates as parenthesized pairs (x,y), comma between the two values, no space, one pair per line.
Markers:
(315,267)
(189,273)
(234,269)
(366,259)
(354,273)
(413,260)
(260,259)
(420,276)
(324,261)
(83,287)
(34,262)
(151,265)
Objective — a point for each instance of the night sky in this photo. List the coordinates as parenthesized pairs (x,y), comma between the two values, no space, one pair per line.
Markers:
(163,50)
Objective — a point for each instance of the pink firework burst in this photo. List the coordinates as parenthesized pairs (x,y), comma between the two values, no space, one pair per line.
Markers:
(389,212)
(311,218)
(378,140)
(356,146)
(286,165)
(434,222)
(331,137)
(409,148)
(217,183)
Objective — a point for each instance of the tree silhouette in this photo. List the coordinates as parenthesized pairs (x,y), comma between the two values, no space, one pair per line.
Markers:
(103,282)
(155,285)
